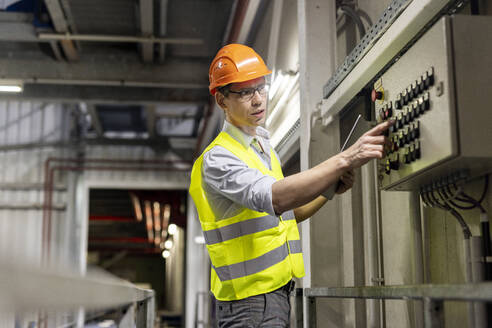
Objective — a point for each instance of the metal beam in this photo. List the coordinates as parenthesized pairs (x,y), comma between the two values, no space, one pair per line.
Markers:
(147,29)
(118,38)
(106,95)
(175,73)
(58,18)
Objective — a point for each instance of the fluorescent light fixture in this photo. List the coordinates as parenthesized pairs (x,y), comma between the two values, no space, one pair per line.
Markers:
(199,240)
(168,244)
(11,86)
(172,229)
(107,324)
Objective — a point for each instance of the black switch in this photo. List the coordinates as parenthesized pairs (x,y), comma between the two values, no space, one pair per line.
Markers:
(381,114)
(389,110)
(429,78)
(394,144)
(407,156)
(401,140)
(416,130)
(398,102)
(405,97)
(405,116)
(415,110)
(420,85)
(420,107)
(417,153)
(410,93)
(395,164)
(426,102)
(399,121)
(406,136)
(410,113)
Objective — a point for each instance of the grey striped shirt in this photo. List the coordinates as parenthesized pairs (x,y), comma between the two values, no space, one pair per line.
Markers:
(230,184)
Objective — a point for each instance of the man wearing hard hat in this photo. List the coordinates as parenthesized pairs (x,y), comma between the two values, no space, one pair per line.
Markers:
(247,209)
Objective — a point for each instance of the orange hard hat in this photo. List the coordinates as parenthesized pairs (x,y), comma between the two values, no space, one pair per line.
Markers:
(235,63)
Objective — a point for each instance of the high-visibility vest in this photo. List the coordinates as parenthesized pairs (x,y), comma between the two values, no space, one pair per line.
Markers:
(252,252)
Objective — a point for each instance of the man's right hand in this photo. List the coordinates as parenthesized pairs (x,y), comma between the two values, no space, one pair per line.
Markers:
(370,145)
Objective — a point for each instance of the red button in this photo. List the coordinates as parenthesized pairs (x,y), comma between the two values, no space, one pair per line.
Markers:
(376,95)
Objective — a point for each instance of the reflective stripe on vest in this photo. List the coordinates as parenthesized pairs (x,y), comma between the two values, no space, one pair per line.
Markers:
(249,267)
(242,228)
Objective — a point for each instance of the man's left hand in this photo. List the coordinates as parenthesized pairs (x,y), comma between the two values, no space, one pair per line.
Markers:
(346,182)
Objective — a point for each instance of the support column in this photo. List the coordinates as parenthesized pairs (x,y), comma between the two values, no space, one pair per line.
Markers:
(317,49)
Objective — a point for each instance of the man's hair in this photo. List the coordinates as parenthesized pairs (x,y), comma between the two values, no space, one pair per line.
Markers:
(224,89)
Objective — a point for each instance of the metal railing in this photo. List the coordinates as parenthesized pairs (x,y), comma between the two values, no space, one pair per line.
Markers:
(24,288)
(433,297)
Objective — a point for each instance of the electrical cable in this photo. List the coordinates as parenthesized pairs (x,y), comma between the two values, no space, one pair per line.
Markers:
(484,192)
(466,230)
(461,207)
(349,11)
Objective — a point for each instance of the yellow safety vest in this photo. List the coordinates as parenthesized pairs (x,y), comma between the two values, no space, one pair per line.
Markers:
(252,252)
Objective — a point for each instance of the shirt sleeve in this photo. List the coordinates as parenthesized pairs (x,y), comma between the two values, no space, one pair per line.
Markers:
(223,172)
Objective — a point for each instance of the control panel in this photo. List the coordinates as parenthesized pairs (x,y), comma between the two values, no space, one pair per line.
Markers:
(439,101)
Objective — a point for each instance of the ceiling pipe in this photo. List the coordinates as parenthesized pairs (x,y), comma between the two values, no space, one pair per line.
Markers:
(115,83)
(118,38)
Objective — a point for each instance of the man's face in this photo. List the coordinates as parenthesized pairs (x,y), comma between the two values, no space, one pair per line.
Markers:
(247,109)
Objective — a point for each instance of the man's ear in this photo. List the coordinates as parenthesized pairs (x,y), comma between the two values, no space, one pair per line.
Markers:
(220,99)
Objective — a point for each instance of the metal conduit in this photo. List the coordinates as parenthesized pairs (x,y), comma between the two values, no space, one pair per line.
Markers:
(117,38)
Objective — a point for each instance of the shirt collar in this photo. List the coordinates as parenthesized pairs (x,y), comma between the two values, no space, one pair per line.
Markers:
(241,137)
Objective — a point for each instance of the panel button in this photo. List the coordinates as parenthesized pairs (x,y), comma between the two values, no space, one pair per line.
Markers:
(417,152)
(415,110)
(407,158)
(381,115)
(429,78)
(394,144)
(376,95)
(399,121)
(420,84)
(415,89)
(426,101)
(401,139)
(416,130)
(398,101)
(395,162)
(410,93)
(404,96)
(420,107)
(405,115)
(388,111)
(406,136)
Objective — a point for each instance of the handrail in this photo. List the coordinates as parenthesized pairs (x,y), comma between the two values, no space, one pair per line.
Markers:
(457,292)
(25,288)
(433,296)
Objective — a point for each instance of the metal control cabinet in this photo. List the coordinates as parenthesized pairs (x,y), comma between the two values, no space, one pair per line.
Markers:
(440,93)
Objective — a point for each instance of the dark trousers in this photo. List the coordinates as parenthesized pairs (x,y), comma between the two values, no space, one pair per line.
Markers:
(264,310)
